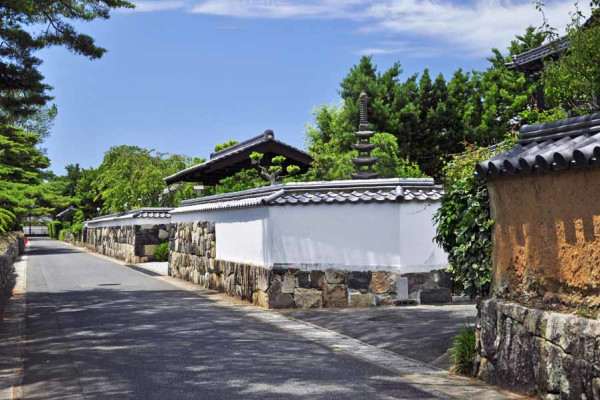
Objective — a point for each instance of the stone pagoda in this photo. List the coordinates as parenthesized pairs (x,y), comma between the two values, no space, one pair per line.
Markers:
(364,162)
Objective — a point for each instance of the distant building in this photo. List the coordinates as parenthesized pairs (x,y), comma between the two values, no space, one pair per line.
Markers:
(231,160)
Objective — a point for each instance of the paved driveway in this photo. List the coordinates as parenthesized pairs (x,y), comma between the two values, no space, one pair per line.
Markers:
(424,333)
(96,329)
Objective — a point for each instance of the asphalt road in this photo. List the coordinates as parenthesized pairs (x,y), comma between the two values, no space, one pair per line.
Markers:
(96,329)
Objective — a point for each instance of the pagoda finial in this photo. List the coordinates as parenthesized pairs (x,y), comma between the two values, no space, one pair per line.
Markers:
(364,161)
(364,118)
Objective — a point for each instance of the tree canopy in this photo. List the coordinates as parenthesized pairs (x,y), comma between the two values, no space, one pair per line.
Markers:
(27,26)
(132,177)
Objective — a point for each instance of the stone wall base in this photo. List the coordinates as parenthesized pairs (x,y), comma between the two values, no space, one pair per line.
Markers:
(553,355)
(287,288)
(11,246)
(130,243)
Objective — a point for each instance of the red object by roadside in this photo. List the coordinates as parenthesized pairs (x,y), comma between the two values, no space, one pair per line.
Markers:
(25,239)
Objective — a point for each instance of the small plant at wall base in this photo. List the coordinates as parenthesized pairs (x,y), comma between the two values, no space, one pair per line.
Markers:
(464,225)
(161,253)
(462,352)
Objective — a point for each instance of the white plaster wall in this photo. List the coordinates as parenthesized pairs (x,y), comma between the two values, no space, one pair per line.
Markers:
(418,251)
(350,236)
(353,236)
(239,233)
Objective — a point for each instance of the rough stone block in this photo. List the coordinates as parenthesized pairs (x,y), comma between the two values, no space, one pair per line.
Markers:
(260,298)
(435,296)
(335,296)
(359,280)
(289,284)
(384,300)
(308,298)
(317,279)
(383,282)
(357,299)
(277,299)
(149,249)
(335,276)
(303,279)
(263,278)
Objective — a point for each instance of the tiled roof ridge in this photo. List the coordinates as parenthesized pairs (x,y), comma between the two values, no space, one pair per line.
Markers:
(558,145)
(263,137)
(326,192)
(558,129)
(144,212)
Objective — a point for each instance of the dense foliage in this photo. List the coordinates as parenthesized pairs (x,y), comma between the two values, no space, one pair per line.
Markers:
(7,221)
(464,223)
(27,26)
(573,80)
(426,120)
(161,253)
(132,177)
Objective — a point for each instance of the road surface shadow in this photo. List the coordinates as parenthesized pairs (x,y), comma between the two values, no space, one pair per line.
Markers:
(169,344)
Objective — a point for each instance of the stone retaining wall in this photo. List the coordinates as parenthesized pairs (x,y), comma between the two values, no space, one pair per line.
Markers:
(130,243)
(11,246)
(192,257)
(553,355)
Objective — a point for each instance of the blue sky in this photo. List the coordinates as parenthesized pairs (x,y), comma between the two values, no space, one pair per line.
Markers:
(181,76)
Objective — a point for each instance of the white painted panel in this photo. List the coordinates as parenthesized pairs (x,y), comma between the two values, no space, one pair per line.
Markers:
(417,230)
(357,236)
(239,233)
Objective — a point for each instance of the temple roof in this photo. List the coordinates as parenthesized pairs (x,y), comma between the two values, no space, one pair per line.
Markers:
(568,143)
(327,192)
(233,159)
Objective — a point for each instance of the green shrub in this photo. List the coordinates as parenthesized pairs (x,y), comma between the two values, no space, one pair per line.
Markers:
(462,352)
(76,229)
(161,253)
(464,224)
(54,228)
(61,234)
(225,145)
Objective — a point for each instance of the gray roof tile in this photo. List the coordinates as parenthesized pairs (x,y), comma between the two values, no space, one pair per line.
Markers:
(571,142)
(307,193)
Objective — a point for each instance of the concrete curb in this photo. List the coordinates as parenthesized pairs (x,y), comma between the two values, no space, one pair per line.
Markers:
(12,336)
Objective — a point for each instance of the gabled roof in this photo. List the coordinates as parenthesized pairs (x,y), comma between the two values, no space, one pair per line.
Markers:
(568,143)
(66,212)
(148,212)
(532,60)
(233,159)
(327,192)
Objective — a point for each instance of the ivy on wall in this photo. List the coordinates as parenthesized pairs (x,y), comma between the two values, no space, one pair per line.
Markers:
(464,225)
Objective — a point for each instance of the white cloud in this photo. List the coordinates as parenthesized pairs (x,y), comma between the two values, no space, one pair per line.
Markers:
(280,8)
(470,28)
(152,6)
(387,47)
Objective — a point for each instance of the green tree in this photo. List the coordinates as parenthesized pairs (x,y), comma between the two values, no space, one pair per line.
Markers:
(573,80)
(132,177)
(21,164)
(27,26)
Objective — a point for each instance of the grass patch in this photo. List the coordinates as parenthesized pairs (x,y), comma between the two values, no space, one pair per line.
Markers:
(462,352)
